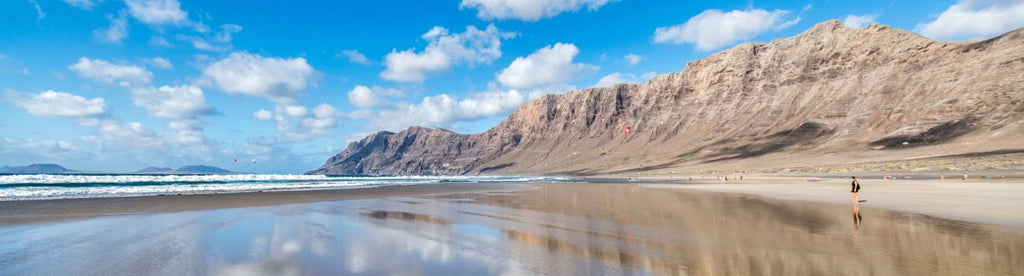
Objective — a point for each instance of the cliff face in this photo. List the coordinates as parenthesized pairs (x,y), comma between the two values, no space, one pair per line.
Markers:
(830,95)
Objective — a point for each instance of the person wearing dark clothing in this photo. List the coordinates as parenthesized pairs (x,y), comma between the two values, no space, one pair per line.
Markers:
(854,188)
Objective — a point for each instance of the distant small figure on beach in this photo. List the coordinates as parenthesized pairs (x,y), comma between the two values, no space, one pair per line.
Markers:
(741,177)
(965,177)
(854,188)
(942,176)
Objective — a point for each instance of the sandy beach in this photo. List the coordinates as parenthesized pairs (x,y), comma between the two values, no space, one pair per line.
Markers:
(504,228)
(978,200)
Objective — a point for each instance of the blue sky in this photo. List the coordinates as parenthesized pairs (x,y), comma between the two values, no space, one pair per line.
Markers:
(115,86)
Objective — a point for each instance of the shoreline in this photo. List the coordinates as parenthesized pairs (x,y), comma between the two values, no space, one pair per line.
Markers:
(992,201)
(32,211)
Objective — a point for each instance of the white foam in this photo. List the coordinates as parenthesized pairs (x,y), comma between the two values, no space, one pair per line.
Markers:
(43,186)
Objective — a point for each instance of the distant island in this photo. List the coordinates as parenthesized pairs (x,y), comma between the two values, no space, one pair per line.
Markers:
(37,169)
(58,169)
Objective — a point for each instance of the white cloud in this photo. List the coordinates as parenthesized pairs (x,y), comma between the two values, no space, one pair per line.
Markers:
(59,104)
(117,30)
(474,46)
(528,10)
(354,56)
(444,110)
(323,117)
(263,115)
(296,123)
(185,132)
(975,19)
(217,41)
(31,149)
(172,102)
(107,72)
(362,96)
(617,78)
(633,59)
(549,65)
(714,29)
(115,134)
(157,12)
(859,21)
(324,111)
(161,63)
(291,110)
(81,4)
(278,79)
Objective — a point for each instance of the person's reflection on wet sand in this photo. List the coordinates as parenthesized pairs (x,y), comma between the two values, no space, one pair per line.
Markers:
(856,216)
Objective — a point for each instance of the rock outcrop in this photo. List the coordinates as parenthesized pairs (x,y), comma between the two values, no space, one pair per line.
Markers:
(830,95)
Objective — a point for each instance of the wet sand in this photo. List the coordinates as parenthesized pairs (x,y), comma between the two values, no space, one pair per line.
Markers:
(997,201)
(560,229)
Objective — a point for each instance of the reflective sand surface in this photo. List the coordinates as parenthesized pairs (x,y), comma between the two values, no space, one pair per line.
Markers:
(560,229)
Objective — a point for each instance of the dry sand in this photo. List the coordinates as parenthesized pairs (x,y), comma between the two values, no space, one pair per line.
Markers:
(983,200)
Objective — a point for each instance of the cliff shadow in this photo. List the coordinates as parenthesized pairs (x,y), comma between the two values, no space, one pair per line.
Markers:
(803,134)
(935,135)
(497,167)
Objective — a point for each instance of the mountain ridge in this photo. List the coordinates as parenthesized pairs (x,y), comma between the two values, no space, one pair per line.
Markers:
(829,95)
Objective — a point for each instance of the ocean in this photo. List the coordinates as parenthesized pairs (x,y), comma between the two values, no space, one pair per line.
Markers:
(18,187)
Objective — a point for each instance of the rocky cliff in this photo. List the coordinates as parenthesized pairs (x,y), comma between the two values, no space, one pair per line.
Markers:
(830,95)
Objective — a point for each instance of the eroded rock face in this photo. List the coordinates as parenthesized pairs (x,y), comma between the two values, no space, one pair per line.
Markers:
(830,95)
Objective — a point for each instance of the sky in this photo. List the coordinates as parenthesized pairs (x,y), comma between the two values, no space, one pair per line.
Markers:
(116,86)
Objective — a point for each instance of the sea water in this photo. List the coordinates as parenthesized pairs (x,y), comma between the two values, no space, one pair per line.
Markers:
(17,187)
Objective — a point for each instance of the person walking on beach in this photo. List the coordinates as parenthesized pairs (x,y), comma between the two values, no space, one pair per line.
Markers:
(854,188)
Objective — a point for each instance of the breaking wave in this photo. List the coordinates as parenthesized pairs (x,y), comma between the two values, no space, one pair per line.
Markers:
(50,186)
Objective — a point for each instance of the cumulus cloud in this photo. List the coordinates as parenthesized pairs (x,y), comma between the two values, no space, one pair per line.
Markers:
(172,102)
(859,21)
(549,65)
(714,29)
(474,46)
(297,123)
(617,78)
(354,56)
(323,117)
(444,110)
(157,12)
(633,59)
(280,80)
(117,30)
(81,4)
(974,19)
(528,10)
(32,150)
(111,134)
(161,63)
(59,104)
(363,96)
(263,115)
(104,71)
(291,110)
